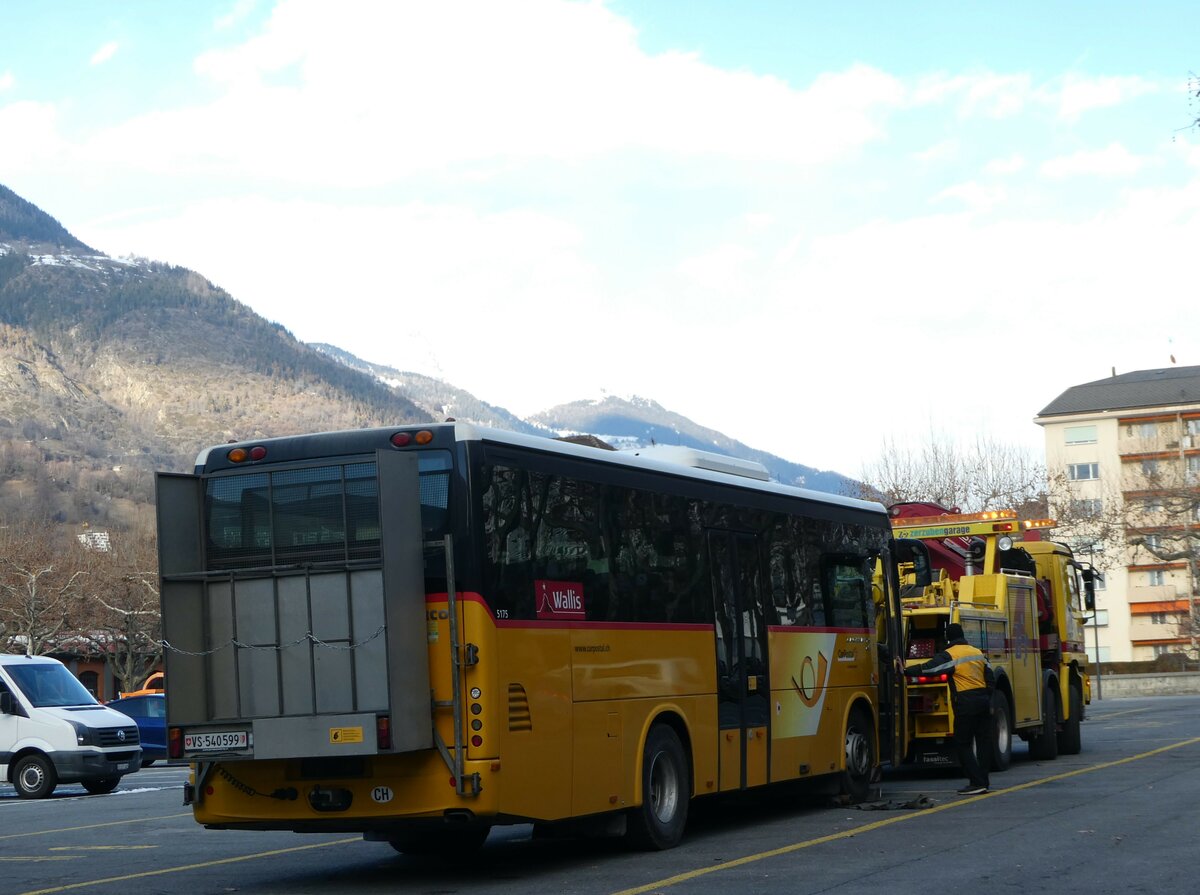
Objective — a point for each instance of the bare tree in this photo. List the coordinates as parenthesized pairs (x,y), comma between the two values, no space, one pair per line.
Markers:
(1151,518)
(122,619)
(41,581)
(987,474)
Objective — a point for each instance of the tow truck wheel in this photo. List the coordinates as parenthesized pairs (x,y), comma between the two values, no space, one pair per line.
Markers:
(1069,741)
(1001,732)
(34,777)
(101,785)
(1044,746)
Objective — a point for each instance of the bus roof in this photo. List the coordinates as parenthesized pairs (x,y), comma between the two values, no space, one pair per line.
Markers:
(681,461)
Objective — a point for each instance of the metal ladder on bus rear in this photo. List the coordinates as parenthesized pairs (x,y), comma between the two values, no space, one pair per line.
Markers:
(461,656)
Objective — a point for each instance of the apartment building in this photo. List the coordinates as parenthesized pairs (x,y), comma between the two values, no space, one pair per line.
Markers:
(1123,457)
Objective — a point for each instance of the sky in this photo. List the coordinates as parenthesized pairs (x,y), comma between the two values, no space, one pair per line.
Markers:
(828,230)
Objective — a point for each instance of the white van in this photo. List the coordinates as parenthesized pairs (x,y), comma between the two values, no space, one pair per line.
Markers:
(53,731)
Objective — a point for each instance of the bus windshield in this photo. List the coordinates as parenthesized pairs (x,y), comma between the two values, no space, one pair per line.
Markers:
(327,513)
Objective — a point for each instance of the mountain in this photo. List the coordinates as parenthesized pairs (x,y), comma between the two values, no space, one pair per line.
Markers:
(112,369)
(626,424)
(439,399)
(638,422)
(21,220)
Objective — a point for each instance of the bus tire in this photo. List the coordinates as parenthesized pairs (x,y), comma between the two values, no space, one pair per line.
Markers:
(440,842)
(1044,746)
(1002,732)
(1069,740)
(855,783)
(34,777)
(658,822)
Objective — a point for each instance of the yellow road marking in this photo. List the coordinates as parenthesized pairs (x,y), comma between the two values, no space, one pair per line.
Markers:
(858,831)
(165,870)
(111,823)
(1118,714)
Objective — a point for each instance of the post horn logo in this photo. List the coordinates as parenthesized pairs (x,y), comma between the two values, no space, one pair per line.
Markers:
(813,688)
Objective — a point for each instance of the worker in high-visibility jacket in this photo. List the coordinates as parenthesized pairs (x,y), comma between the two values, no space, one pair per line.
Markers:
(971,683)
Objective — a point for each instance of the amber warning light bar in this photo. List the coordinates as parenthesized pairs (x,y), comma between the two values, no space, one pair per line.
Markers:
(965,525)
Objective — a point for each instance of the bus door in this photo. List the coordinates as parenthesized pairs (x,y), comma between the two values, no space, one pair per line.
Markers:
(743,691)
(889,636)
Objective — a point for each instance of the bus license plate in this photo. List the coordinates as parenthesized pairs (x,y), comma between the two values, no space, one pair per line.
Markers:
(226,739)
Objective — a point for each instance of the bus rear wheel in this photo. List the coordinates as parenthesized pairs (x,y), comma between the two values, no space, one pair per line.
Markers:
(658,822)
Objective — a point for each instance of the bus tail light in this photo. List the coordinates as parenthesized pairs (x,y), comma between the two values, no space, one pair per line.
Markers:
(943,678)
(175,742)
(383,733)
(241,455)
(404,439)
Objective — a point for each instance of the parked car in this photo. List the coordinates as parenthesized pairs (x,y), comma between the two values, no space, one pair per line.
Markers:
(53,731)
(149,712)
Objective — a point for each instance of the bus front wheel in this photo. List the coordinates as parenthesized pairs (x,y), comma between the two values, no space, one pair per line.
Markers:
(658,822)
(860,757)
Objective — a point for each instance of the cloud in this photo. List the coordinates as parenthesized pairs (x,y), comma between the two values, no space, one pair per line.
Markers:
(402,90)
(974,195)
(105,53)
(37,123)
(1112,161)
(980,94)
(1079,94)
(1003,167)
(939,152)
(238,13)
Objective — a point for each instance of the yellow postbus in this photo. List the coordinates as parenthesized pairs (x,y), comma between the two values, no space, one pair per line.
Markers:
(420,632)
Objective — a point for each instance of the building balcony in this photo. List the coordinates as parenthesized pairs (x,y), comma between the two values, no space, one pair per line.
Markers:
(1159,593)
(1145,631)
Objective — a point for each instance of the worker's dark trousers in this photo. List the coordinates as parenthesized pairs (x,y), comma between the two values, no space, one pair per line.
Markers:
(973,725)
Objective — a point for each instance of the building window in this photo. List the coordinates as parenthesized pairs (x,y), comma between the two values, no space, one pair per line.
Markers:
(1155,505)
(1153,542)
(1098,580)
(1105,654)
(1078,472)
(1156,578)
(1193,463)
(1081,434)
(1193,427)
(1142,430)
(1149,467)
(1162,649)
(1159,618)
(1087,506)
(1099,619)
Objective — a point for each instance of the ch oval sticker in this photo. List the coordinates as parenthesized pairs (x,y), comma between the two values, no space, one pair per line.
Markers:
(381,794)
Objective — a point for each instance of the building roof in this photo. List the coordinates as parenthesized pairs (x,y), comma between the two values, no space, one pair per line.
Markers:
(1141,389)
